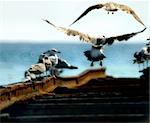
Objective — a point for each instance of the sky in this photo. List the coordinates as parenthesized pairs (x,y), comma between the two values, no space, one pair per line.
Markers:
(21,21)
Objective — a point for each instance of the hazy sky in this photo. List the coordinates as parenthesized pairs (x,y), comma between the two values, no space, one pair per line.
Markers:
(22,20)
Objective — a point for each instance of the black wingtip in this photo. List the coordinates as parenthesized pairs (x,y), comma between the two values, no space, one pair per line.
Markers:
(45,20)
(73,67)
(143,29)
(49,22)
(71,24)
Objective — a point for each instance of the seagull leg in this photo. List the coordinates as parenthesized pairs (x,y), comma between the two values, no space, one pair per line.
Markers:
(33,85)
(53,72)
(92,63)
(101,63)
(107,12)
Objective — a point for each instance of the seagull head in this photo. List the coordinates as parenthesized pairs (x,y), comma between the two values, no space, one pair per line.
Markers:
(54,50)
(148,44)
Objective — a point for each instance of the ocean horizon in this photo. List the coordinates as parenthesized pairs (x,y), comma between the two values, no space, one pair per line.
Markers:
(15,58)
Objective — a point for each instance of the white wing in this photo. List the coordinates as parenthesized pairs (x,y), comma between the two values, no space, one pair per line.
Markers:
(71,32)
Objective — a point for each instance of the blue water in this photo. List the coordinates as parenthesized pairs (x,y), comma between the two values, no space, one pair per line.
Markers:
(15,58)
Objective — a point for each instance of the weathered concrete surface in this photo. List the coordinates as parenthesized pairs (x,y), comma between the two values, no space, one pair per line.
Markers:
(23,91)
(99,100)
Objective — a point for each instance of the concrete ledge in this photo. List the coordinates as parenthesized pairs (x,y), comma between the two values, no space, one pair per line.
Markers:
(23,91)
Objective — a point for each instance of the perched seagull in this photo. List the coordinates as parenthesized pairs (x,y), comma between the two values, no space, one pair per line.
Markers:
(52,57)
(51,52)
(58,63)
(37,69)
(93,40)
(95,54)
(138,59)
(146,53)
(111,7)
(40,68)
(142,56)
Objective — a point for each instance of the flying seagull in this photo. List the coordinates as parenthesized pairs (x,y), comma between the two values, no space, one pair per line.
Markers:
(95,41)
(111,7)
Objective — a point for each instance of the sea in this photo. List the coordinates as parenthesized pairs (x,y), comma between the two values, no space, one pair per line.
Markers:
(15,58)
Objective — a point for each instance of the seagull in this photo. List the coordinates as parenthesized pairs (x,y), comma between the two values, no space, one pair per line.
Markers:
(57,63)
(51,52)
(93,40)
(111,7)
(142,56)
(95,54)
(37,69)
(40,68)
(138,59)
(51,56)
(146,53)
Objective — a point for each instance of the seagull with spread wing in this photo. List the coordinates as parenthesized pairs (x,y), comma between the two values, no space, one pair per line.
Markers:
(93,40)
(111,7)
(96,52)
